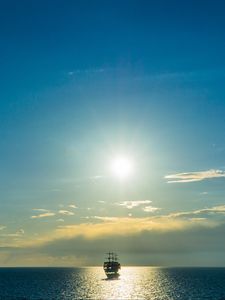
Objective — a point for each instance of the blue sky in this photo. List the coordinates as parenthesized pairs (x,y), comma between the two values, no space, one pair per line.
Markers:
(85,81)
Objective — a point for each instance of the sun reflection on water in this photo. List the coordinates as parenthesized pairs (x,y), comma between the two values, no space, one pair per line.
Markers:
(150,283)
(134,283)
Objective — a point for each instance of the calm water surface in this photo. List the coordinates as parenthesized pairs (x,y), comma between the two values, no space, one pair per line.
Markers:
(134,283)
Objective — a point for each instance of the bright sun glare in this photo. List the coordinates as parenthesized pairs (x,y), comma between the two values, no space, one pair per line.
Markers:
(122,167)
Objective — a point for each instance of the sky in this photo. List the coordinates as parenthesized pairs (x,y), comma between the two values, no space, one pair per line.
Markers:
(83,83)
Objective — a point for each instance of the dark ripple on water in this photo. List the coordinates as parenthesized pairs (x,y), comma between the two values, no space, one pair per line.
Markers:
(134,283)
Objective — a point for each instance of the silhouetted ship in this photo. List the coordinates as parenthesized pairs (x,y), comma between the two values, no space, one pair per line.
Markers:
(112,266)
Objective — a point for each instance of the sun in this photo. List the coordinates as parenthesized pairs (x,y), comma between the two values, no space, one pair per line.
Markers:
(122,167)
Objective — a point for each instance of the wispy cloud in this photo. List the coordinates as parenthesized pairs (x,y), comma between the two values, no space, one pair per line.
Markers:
(220,209)
(65,212)
(197,219)
(44,215)
(194,176)
(41,209)
(150,208)
(108,219)
(21,231)
(2,227)
(96,177)
(82,180)
(18,233)
(86,71)
(72,206)
(132,204)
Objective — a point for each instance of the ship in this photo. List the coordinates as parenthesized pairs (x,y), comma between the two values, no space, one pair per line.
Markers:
(112,266)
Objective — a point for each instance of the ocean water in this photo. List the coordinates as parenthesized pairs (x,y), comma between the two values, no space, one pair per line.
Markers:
(134,283)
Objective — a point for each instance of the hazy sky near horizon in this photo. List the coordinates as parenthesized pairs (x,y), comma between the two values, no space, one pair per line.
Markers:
(83,82)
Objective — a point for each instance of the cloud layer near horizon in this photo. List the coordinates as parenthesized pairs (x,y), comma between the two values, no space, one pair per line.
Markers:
(163,236)
(145,247)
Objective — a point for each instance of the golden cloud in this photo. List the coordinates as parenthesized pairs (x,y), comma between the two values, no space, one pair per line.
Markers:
(104,226)
(44,215)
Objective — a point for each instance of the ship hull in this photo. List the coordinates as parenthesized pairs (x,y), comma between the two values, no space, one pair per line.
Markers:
(112,275)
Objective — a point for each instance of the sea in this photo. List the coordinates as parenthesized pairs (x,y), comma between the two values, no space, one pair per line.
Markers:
(151,283)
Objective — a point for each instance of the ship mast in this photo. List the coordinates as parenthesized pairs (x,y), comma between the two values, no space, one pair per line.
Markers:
(111,256)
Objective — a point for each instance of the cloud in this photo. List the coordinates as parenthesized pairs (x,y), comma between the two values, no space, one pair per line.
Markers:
(123,226)
(21,231)
(65,212)
(41,209)
(44,215)
(150,209)
(197,219)
(132,204)
(113,219)
(220,209)
(194,176)
(173,248)
(99,226)
(72,206)
(96,177)
(47,213)
(18,233)
(148,247)
(113,226)
(60,220)
(2,227)
(86,71)
(175,238)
